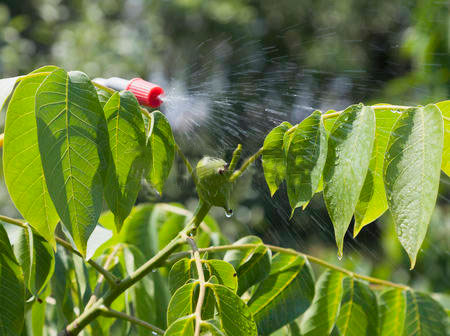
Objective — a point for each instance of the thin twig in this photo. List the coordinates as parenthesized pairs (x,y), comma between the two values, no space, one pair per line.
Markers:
(108,312)
(312,259)
(247,163)
(235,158)
(202,289)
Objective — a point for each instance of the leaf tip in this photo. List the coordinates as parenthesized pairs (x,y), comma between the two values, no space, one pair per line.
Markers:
(412,259)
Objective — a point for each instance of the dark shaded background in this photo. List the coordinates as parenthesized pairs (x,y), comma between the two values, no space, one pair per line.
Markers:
(233,69)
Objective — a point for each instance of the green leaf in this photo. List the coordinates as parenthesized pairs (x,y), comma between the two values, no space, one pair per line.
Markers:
(392,305)
(37,321)
(445,110)
(12,290)
(35,256)
(349,148)
(180,274)
(103,96)
(305,160)
(161,150)
(182,327)
(143,294)
(424,316)
(372,201)
(182,302)
(224,272)
(71,130)
(320,317)
(273,161)
(411,173)
(6,87)
(235,317)
(127,141)
(290,285)
(358,314)
(252,265)
(60,287)
(24,175)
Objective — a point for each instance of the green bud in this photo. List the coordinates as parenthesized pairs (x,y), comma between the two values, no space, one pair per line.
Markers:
(213,184)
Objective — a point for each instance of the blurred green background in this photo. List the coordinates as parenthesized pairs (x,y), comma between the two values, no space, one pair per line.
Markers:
(233,69)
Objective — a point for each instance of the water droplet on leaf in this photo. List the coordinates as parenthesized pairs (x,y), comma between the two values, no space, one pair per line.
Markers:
(339,255)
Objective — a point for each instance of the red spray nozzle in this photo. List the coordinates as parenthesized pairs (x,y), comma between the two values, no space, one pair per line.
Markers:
(146,93)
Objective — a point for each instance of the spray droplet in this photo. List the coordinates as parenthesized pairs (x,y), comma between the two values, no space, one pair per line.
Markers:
(229,213)
(339,255)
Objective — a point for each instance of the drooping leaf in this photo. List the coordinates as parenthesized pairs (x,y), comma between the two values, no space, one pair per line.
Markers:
(161,150)
(71,136)
(35,256)
(284,295)
(392,305)
(372,201)
(273,161)
(358,314)
(305,160)
(12,290)
(182,302)
(252,265)
(60,287)
(321,316)
(127,142)
(349,149)
(411,173)
(424,316)
(235,317)
(6,87)
(445,110)
(24,175)
(182,327)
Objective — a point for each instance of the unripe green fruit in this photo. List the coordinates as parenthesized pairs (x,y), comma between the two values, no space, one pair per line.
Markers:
(213,184)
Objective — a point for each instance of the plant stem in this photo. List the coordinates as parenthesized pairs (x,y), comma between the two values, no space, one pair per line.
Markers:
(156,261)
(16,222)
(202,289)
(108,312)
(235,158)
(108,276)
(293,252)
(247,163)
